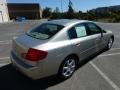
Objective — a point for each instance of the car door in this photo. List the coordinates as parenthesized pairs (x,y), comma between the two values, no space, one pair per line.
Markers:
(83,44)
(96,32)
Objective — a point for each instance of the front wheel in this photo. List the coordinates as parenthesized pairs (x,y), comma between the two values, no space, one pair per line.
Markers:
(110,43)
(67,68)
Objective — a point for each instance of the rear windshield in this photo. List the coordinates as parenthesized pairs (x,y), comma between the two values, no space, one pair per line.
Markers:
(45,31)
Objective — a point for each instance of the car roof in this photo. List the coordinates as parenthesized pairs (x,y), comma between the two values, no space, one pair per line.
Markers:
(66,22)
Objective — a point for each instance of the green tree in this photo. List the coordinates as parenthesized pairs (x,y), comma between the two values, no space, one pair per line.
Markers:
(91,15)
(57,10)
(70,12)
(115,16)
(47,12)
(56,14)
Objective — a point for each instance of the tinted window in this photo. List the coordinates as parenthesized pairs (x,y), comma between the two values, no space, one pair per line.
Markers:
(77,31)
(45,31)
(72,33)
(94,29)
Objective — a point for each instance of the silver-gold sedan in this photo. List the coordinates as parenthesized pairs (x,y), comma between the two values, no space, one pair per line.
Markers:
(57,47)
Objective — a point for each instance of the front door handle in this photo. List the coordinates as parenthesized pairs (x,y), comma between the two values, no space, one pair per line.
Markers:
(77,44)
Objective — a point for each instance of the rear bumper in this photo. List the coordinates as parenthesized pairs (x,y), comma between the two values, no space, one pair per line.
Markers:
(28,70)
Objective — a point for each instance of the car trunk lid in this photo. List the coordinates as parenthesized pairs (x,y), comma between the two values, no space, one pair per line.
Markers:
(22,44)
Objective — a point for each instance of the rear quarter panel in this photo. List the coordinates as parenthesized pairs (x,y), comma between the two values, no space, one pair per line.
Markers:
(57,52)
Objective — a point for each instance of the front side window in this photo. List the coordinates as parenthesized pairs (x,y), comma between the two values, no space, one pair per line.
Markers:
(94,29)
(77,31)
(45,31)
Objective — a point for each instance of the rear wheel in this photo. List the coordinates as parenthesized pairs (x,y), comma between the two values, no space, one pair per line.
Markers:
(67,68)
(110,43)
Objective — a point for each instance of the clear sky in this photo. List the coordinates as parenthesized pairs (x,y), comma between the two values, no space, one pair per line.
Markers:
(82,5)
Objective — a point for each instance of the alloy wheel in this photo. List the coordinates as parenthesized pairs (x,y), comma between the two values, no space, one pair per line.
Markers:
(68,68)
(110,43)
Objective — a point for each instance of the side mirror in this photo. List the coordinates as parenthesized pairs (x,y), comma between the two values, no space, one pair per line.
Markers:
(103,31)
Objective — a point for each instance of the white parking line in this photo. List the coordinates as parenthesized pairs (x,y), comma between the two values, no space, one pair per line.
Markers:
(11,34)
(109,54)
(6,42)
(105,76)
(115,49)
(1,65)
(4,58)
(4,61)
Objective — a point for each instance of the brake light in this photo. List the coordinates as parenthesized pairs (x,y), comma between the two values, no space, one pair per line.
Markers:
(35,55)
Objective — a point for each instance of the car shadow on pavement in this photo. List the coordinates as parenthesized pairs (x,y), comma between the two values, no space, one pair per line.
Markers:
(82,63)
(11,79)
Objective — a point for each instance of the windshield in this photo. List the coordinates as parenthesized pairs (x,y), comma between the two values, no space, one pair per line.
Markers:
(45,31)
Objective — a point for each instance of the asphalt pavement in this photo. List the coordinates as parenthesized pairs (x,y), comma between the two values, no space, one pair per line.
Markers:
(99,73)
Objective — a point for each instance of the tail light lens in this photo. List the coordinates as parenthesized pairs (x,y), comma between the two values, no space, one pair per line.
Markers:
(35,55)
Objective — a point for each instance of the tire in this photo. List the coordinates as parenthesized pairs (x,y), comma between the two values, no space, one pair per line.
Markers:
(67,67)
(110,43)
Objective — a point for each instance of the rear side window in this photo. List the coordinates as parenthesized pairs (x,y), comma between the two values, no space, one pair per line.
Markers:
(94,29)
(45,31)
(72,33)
(77,31)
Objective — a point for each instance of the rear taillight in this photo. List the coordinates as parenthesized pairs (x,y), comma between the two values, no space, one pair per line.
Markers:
(35,55)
